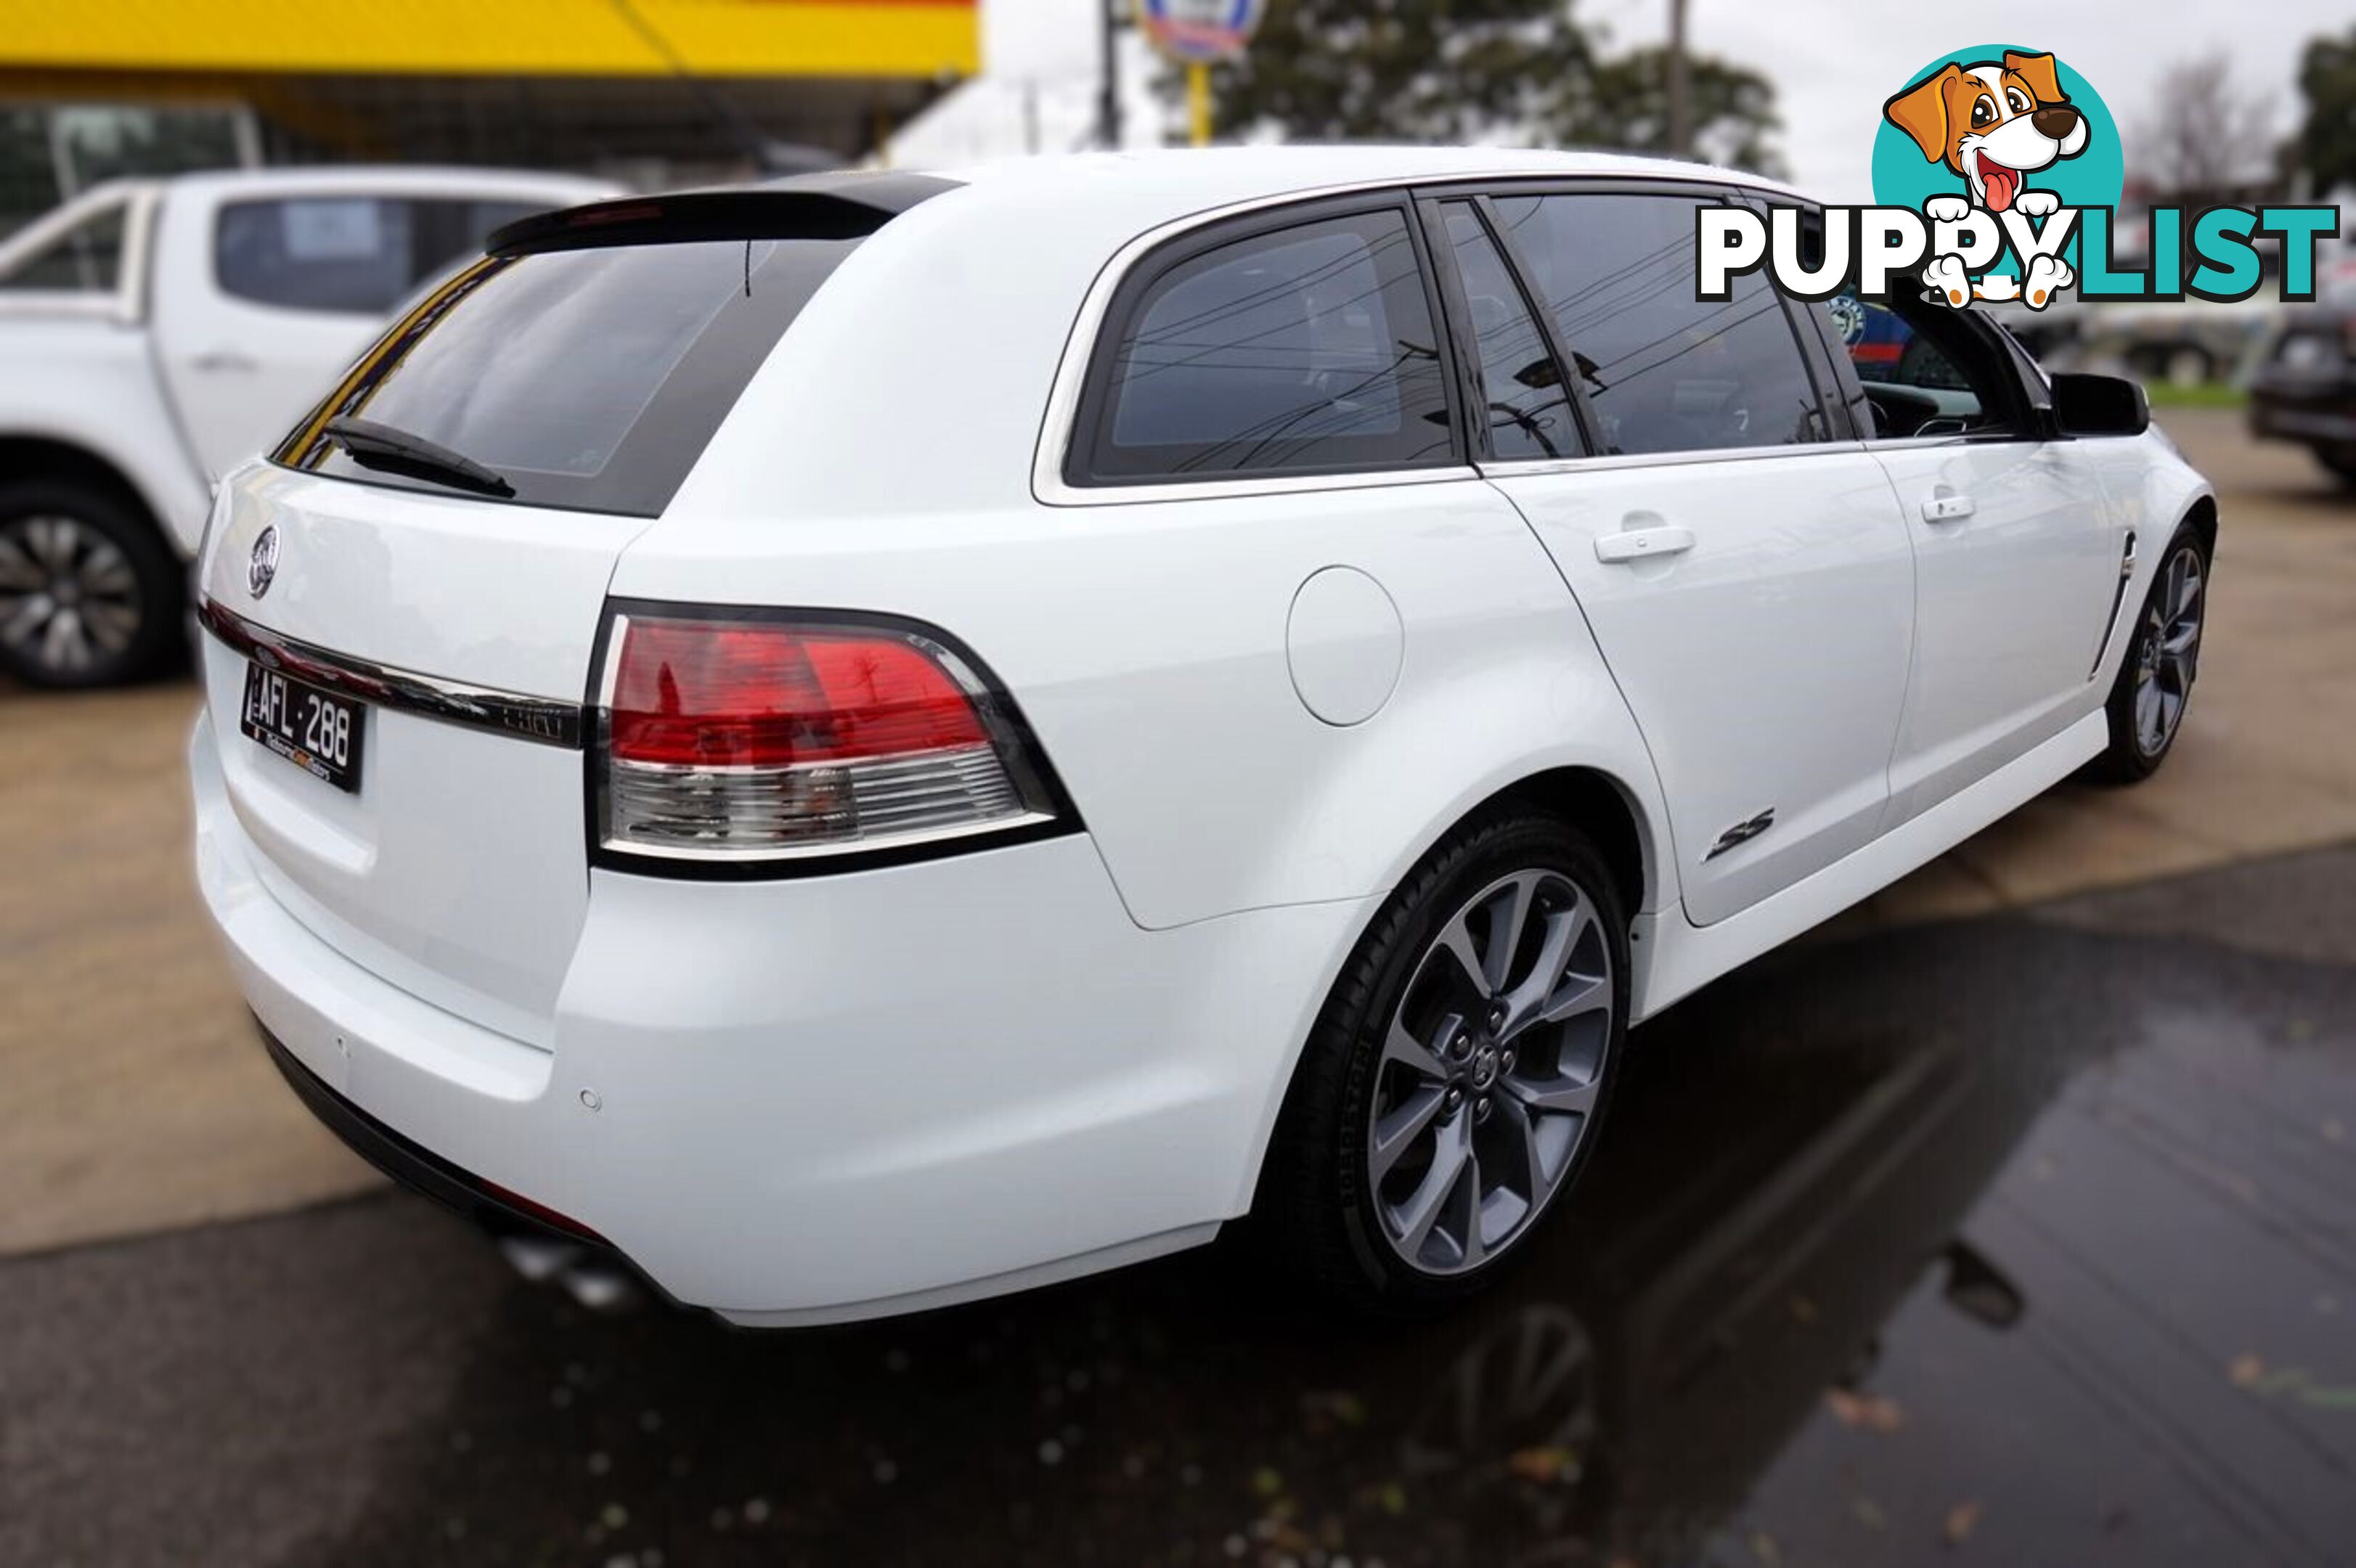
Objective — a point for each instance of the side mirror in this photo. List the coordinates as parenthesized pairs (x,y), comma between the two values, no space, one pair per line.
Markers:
(2100,405)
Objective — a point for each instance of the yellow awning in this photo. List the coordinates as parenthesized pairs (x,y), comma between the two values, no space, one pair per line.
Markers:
(914,38)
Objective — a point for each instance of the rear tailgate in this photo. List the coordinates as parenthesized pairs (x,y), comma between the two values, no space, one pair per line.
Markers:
(457,869)
(440,535)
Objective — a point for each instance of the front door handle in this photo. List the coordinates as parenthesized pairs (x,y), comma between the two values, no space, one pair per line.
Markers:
(1948,508)
(214,361)
(1642,544)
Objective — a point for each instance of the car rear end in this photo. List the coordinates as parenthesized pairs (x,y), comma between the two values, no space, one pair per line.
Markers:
(2305,390)
(727,936)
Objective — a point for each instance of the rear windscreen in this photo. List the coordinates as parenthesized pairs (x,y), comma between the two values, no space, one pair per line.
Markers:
(590,380)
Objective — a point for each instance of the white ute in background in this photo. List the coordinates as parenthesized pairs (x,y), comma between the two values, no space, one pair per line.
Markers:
(154,334)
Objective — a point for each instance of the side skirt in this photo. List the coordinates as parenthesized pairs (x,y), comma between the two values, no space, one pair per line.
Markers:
(1677,957)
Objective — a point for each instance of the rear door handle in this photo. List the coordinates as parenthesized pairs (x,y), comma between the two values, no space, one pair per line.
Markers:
(215,360)
(1642,544)
(1948,508)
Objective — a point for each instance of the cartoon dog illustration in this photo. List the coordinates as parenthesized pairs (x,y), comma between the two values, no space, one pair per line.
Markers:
(1994,123)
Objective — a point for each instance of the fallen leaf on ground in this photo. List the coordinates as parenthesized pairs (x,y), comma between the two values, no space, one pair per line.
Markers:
(1962,1519)
(1875,1412)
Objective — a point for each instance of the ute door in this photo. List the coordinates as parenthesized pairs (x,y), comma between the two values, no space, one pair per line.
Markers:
(2017,559)
(1750,583)
(265,296)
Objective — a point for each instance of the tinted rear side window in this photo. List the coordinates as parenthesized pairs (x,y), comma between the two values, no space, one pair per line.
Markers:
(1528,408)
(1305,350)
(1664,371)
(356,255)
(589,380)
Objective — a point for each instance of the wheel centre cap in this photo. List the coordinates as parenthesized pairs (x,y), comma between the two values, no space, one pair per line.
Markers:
(1484,1068)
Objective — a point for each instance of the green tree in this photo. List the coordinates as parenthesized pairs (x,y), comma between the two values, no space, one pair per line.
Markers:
(2326,144)
(1623,104)
(1457,71)
(1410,70)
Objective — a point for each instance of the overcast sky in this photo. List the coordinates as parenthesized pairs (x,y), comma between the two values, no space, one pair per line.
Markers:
(1834,61)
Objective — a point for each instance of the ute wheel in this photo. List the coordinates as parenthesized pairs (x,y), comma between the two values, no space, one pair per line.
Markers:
(90,594)
(1451,1088)
(2339,460)
(2155,681)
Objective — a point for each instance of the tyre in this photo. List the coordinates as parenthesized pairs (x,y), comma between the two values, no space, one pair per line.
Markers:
(1451,1088)
(2339,460)
(90,592)
(2155,681)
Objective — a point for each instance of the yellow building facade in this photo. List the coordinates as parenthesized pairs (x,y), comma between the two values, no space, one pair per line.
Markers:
(655,91)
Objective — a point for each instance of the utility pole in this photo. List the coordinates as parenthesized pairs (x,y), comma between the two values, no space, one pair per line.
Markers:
(1680,89)
(1108,84)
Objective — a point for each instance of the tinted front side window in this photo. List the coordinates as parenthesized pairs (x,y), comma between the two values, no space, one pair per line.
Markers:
(589,378)
(1307,349)
(1528,408)
(354,255)
(1917,386)
(1664,371)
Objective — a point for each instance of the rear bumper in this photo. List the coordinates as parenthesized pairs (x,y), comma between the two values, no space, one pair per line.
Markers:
(826,1098)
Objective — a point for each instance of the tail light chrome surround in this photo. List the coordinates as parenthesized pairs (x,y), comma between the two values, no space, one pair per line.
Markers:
(758,808)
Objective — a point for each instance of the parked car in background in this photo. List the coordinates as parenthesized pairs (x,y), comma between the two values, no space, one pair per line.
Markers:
(2305,388)
(852,782)
(155,333)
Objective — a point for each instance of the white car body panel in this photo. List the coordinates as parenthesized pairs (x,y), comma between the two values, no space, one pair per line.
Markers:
(456,871)
(1766,663)
(2038,556)
(832,1096)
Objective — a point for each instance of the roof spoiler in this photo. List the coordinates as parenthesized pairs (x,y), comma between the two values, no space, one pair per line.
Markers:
(807,207)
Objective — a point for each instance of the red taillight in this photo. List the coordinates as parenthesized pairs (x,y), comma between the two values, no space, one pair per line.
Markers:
(751,740)
(716,694)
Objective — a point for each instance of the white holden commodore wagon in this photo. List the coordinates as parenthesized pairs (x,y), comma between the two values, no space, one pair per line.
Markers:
(884,739)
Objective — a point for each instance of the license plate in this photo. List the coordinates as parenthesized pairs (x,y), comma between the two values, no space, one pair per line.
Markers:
(316,731)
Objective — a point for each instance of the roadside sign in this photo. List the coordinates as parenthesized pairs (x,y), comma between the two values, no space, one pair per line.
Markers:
(1200,32)
(1197,34)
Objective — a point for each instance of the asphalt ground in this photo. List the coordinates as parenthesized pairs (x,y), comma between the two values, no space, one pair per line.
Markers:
(2023,1238)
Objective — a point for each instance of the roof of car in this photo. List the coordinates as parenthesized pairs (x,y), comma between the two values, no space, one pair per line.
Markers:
(1222,175)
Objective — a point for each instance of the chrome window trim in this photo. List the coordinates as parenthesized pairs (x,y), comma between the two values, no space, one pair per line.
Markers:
(1517,467)
(543,721)
(1923,442)
(1057,425)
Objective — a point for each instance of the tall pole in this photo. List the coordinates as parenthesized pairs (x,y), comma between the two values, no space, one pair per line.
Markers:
(1198,102)
(1680,89)
(1109,82)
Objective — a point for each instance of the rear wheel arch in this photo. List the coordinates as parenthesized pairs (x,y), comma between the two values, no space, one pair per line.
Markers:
(1596,802)
(1606,810)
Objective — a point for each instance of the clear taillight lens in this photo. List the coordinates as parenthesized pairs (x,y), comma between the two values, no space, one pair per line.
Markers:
(747,740)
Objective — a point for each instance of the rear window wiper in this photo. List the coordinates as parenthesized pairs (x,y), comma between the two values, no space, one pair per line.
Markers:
(381,447)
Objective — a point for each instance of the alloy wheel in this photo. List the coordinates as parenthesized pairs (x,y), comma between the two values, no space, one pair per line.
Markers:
(2168,652)
(69,596)
(1490,1072)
